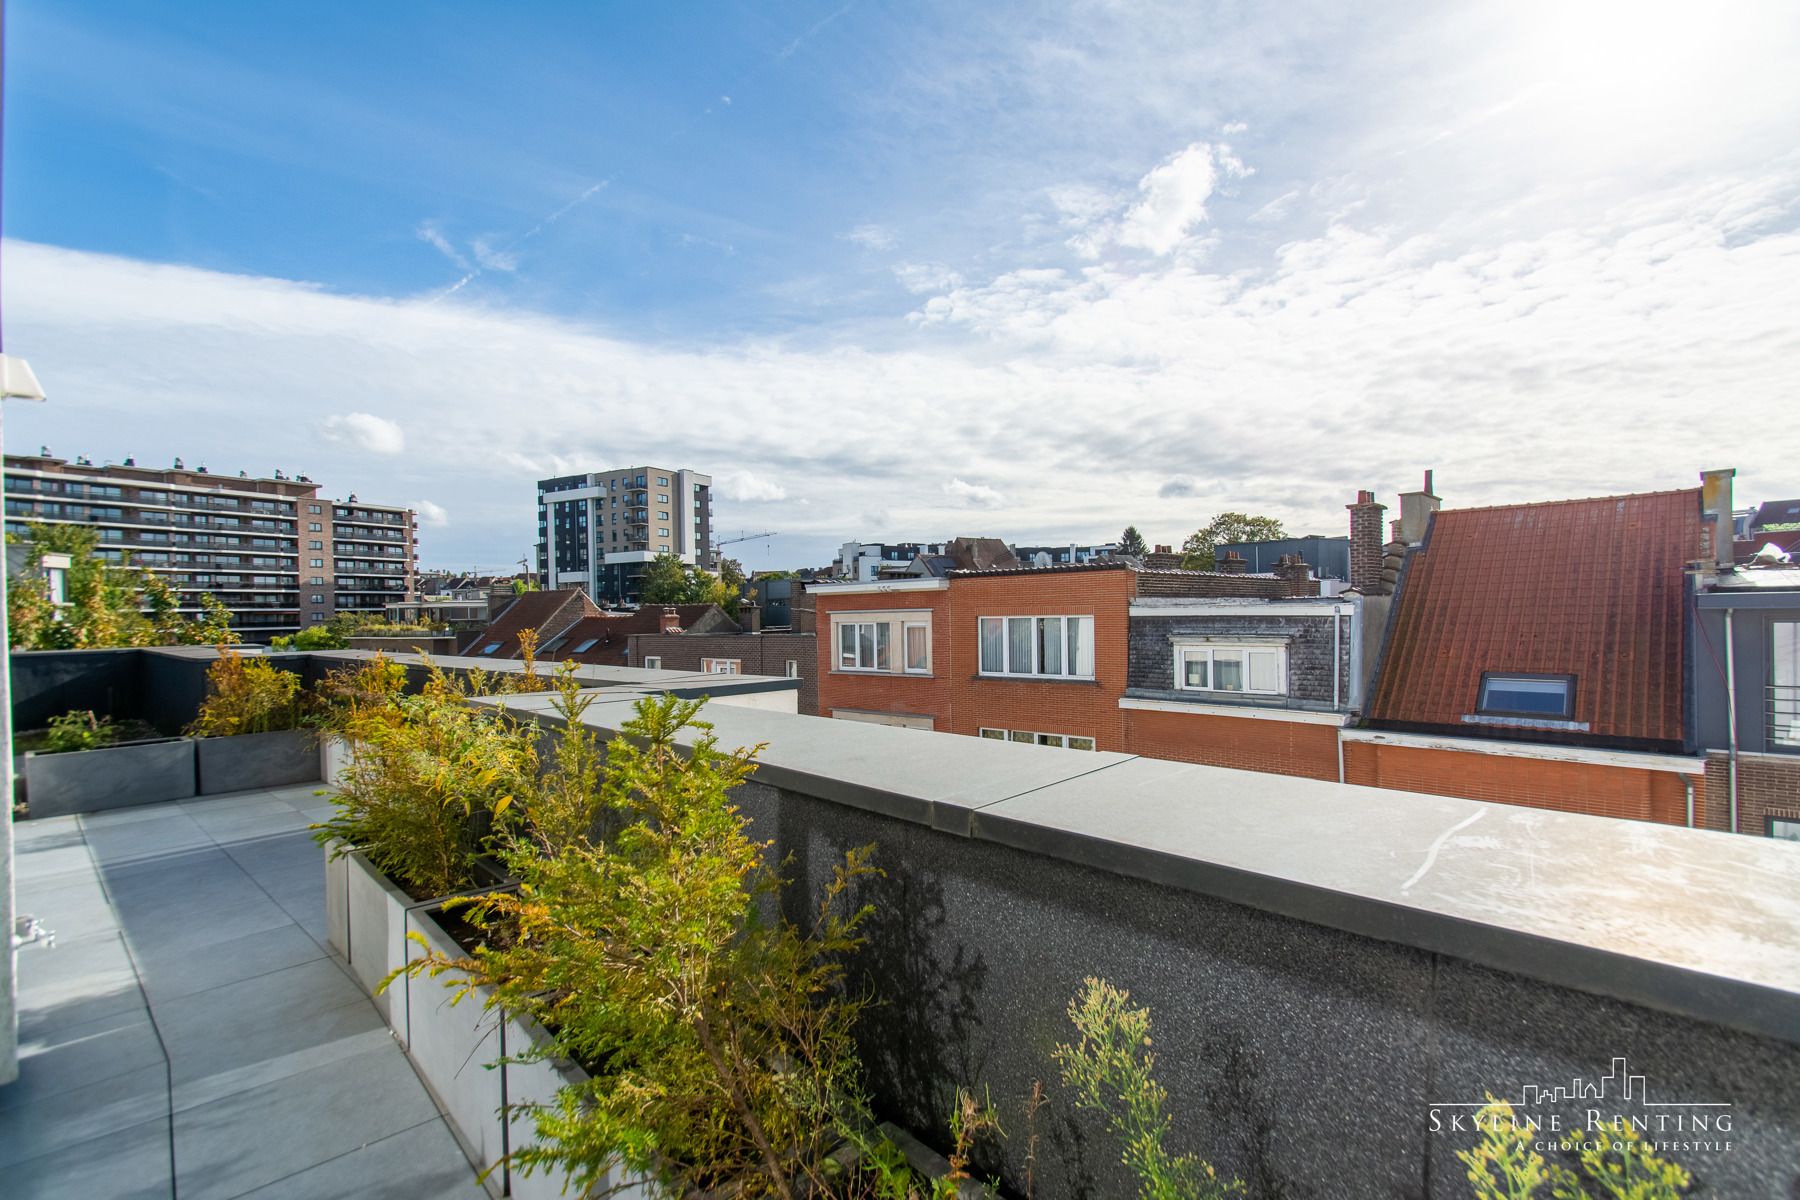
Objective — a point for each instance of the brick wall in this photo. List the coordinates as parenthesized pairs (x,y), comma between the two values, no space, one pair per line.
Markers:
(1190,583)
(1605,791)
(1309,650)
(760,654)
(1768,786)
(1078,709)
(1245,743)
(906,695)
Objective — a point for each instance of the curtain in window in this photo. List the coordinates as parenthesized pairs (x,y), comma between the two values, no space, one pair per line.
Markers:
(917,648)
(1784,681)
(1228,671)
(1081,646)
(1018,644)
(846,645)
(993,645)
(882,663)
(865,645)
(1262,671)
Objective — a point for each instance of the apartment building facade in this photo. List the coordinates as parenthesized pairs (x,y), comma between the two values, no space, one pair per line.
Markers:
(597,531)
(1026,654)
(271,549)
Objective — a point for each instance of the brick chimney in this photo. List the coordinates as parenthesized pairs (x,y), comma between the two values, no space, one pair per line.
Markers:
(1415,512)
(749,617)
(1162,550)
(1231,563)
(671,620)
(1297,576)
(1715,509)
(1365,543)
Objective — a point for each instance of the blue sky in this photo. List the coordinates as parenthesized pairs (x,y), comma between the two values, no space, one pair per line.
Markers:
(911,270)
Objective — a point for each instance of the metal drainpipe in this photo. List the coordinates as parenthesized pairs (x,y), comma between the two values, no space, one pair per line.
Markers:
(1687,782)
(1337,636)
(1731,717)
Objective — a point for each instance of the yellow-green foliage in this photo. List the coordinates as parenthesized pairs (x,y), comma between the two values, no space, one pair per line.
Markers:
(427,773)
(1110,1070)
(247,695)
(716,1032)
(79,730)
(104,604)
(1616,1163)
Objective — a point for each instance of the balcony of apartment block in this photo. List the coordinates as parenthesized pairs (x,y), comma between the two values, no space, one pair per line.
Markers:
(1337,977)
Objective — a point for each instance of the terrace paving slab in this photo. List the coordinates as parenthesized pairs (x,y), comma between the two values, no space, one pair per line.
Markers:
(190,1033)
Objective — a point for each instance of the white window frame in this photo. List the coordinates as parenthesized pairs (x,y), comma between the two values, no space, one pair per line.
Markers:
(793,668)
(652,662)
(1029,737)
(722,666)
(1037,631)
(906,628)
(1244,646)
(882,629)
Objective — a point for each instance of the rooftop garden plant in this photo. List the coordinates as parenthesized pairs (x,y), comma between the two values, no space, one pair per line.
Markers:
(103,603)
(1614,1161)
(247,695)
(79,730)
(716,1033)
(428,775)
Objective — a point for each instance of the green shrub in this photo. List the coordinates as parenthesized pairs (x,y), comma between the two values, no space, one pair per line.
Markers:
(715,1032)
(79,730)
(1615,1160)
(1110,1071)
(427,773)
(247,695)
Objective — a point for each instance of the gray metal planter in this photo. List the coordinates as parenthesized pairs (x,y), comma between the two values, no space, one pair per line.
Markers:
(455,1048)
(537,1082)
(375,916)
(257,760)
(335,757)
(121,776)
(337,899)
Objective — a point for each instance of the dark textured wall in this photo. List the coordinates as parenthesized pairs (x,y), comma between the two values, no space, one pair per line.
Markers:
(1309,650)
(1298,1057)
(49,683)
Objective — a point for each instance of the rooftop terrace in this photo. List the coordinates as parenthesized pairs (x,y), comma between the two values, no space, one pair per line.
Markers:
(1334,971)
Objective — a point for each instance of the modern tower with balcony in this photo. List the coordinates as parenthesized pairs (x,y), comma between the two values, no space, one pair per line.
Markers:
(598,530)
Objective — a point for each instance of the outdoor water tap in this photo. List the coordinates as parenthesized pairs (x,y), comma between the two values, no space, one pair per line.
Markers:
(29,931)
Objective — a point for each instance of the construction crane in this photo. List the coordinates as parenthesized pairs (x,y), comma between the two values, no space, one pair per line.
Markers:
(748,537)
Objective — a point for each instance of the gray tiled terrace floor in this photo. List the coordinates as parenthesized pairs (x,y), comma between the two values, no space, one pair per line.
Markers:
(190,1035)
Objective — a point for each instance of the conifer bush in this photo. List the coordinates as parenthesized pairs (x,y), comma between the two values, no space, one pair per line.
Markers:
(428,774)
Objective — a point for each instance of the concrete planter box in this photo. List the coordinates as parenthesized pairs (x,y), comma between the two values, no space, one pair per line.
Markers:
(122,776)
(375,933)
(537,1083)
(335,757)
(337,899)
(454,1047)
(257,760)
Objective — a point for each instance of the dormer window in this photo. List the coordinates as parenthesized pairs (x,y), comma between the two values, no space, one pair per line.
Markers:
(1548,697)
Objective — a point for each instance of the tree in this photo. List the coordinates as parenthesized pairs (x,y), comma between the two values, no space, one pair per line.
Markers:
(1132,542)
(521,586)
(1197,551)
(103,603)
(665,581)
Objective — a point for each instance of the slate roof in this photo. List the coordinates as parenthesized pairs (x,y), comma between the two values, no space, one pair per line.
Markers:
(1776,512)
(1590,588)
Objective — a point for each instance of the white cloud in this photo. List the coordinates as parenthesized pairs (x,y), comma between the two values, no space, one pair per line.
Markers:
(492,258)
(748,487)
(1168,207)
(872,237)
(429,233)
(1233,127)
(975,495)
(919,278)
(377,435)
(1172,198)
(431,516)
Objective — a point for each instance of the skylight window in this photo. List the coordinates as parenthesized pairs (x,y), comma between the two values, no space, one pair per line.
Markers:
(555,645)
(490,647)
(584,647)
(1546,696)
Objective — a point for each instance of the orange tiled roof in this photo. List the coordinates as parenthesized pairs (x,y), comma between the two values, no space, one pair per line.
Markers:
(1589,588)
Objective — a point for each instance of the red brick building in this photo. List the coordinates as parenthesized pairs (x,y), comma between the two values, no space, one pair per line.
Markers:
(1026,654)
(1537,655)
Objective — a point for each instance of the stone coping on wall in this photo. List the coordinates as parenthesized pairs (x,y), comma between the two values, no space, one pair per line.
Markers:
(1688,921)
